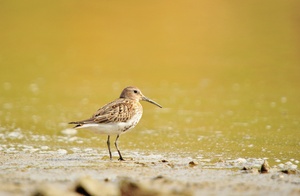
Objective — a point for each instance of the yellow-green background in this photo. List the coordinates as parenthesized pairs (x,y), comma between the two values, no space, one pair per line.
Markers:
(226,72)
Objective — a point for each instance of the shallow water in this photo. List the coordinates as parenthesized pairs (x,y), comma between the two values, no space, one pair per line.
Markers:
(227,76)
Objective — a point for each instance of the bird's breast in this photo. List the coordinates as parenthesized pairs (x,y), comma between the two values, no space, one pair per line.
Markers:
(131,123)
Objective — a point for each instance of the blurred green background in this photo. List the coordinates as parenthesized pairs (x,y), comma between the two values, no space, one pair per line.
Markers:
(226,72)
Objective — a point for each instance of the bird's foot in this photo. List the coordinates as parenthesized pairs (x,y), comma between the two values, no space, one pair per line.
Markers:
(121,159)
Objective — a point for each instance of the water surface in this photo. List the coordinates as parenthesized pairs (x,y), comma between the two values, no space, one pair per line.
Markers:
(226,74)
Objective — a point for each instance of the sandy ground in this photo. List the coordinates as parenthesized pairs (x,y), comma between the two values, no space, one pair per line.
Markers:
(29,173)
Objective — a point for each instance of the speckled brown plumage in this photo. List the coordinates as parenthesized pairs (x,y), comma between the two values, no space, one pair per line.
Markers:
(118,116)
(120,110)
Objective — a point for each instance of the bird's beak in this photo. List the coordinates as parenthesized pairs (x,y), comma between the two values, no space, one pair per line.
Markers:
(150,101)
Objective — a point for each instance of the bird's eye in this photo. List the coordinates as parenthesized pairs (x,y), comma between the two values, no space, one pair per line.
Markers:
(135,91)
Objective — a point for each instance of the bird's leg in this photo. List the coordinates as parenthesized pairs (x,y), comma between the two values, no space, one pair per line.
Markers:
(116,144)
(108,145)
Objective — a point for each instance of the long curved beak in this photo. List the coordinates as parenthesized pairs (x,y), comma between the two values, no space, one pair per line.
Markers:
(150,101)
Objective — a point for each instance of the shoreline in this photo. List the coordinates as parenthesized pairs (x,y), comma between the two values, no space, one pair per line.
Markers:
(29,173)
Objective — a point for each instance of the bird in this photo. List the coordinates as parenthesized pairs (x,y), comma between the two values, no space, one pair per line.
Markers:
(117,117)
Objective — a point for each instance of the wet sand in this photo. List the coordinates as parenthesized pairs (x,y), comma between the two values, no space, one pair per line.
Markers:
(26,173)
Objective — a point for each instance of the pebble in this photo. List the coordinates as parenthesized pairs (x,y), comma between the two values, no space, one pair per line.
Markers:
(289,163)
(249,170)
(72,139)
(15,135)
(265,168)
(74,149)
(69,131)
(88,150)
(277,176)
(45,147)
(33,150)
(241,160)
(193,163)
(130,187)
(289,171)
(62,151)
(47,190)
(90,186)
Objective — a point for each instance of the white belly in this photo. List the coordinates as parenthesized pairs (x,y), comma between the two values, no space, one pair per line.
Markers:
(112,128)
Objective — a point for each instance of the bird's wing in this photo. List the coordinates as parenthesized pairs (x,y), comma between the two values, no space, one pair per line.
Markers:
(119,110)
